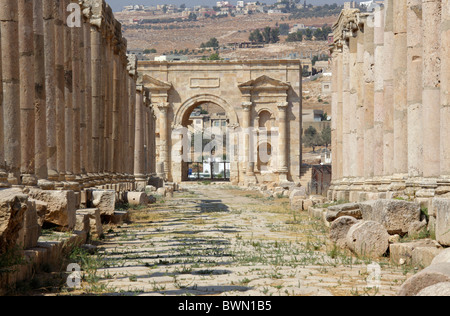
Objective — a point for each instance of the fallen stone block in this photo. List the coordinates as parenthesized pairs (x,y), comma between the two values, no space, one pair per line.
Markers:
(339,230)
(161,192)
(439,290)
(41,210)
(13,209)
(94,220)
(83,222)
(296,203)
(395,215)
(442,210)
(32,230)
(430,276)
(349,209)
(119,217)
(136,198)
(416,228)
(417,253)
(298,192)
(442,257)
(307,204)
(368,239)
(150,189)
(105,201)
(61,207)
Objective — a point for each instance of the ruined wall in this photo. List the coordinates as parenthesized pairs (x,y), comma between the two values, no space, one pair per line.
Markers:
(391,102)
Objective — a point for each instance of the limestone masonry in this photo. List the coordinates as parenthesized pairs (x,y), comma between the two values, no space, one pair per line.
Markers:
(391,102)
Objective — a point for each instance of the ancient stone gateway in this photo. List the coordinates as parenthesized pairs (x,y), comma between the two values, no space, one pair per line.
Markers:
(261,105)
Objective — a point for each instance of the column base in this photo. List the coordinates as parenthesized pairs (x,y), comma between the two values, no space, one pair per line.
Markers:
(4,180)
(46,185)
(29,180)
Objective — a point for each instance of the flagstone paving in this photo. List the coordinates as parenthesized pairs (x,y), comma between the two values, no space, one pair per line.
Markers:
(221,240)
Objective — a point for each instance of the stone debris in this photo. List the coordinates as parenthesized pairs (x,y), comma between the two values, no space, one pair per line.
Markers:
(56,207)
(13,209)
(440,289)
(137,198)
(105,201)
(442,210)
(368,239)
(443,257)
(434,274)
(339,230)
(350,209)
(396,216)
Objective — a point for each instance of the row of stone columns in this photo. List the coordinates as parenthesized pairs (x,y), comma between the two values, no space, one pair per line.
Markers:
(390,95)
(69,106)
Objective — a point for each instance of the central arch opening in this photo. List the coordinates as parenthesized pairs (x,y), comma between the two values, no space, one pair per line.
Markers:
(207,125)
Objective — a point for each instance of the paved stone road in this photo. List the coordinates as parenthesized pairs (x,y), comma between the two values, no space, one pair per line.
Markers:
(219,240)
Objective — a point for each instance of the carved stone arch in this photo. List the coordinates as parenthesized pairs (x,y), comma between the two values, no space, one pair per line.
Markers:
(188,105)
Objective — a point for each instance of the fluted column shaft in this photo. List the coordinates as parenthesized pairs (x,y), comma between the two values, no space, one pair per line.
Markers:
(27,89)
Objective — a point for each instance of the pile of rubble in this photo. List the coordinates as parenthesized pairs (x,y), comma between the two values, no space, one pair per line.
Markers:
(72,217)
(378,228)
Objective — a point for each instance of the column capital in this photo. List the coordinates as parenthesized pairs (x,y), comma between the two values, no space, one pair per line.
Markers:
(163,106)
(282,106)
(247,106)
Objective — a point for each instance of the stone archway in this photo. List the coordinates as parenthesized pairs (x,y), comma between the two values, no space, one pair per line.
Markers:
(188,105)
(242,89)
(220,168)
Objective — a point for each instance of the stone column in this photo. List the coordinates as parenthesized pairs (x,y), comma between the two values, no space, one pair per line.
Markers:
(88,98)
(354,102)
(247,108)
(83,117)
(431,86)
(414,84)
(116,126)
(27,86)
(346,108)
(360,104)
(68,97)
(3,175)
(139,158)
(40,98)
(369,87)
(400,89)
(334,112)
(97,60)
(339,114)
(283,141)
(132,115)
(76,103)
(445,89)
(164,136)
(378,161)
(60,89)
(388,137)
(50,91)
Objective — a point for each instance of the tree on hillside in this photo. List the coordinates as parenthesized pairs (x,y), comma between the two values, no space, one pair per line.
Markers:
(256,37)
(213,43)
(295,37)
(312,138)
(326,136)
